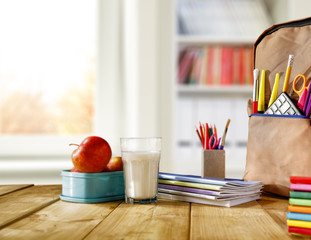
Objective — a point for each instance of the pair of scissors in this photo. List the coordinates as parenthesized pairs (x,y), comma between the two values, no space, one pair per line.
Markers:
(213,142)
(302,92)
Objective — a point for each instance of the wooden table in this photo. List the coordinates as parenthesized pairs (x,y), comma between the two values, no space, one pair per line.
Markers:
(36,212)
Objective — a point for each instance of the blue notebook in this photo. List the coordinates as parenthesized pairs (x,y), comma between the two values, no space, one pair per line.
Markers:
(221,182)
(299,216)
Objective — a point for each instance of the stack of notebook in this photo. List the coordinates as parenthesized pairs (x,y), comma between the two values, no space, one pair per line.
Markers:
(227,192)
(299,209)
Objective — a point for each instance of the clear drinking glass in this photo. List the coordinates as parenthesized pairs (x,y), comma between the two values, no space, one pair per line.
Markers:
(141,157)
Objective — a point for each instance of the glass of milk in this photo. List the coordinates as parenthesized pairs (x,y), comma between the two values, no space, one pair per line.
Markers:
(141,157)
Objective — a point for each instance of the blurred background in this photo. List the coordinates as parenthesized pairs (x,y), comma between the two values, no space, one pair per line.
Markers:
(114,68)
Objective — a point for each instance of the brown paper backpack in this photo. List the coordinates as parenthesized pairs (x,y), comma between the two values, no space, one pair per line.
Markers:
(280,147)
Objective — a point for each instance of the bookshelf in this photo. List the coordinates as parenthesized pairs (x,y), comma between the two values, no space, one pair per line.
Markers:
(213,103)
(232,90)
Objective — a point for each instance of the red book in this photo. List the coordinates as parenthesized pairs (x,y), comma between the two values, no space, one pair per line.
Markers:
(226,66)
(242,66)
(299,230)
(303,180)
(235,66)
(217,65)
(196,68)
(247,66)
(210,66)
(252,65)
(230,67)
(203,72)
(223,66)
(185,65)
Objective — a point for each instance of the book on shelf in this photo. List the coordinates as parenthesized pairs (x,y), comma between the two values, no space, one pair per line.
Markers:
(227,192)
(195,74)
(215,65)
(185,64)
(203,71)
(210,59)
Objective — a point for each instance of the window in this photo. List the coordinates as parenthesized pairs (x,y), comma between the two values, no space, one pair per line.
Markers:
(47,62)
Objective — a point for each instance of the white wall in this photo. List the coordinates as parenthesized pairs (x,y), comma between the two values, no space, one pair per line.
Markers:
(128,70)
(287,10)
(300,9)
(141,68)
(109,98)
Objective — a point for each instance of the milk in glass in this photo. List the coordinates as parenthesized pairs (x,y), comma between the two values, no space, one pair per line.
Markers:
(141,174)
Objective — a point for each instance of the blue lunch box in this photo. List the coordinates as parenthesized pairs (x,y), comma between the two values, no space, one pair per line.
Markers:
(92,187)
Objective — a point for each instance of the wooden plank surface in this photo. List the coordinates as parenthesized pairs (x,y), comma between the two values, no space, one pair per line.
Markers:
(246,221)
(276,207)
(21,203)
(36,213)
(5,189)
(163,220)
(61,220)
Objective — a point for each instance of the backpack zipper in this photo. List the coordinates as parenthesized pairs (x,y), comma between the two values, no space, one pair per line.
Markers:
(279,116)
(274,28)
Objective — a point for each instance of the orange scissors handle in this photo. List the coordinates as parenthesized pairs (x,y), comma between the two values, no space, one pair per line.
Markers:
(299,92)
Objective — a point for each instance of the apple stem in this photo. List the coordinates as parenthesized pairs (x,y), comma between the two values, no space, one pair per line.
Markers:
(73,144)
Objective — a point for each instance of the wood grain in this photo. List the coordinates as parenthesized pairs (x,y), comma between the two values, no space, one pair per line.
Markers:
(246,221)
(276,207)
(61,220)
(163,220)
(36,212)
(18,204)
(5,189)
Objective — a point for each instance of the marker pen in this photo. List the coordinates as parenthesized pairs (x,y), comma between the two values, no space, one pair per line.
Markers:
(255,90)
(288,72)
(275,89)
(261,101)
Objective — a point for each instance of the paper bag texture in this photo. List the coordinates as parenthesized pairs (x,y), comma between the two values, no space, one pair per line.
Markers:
(280,147)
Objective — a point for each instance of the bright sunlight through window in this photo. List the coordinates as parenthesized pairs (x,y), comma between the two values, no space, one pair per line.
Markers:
(47,59)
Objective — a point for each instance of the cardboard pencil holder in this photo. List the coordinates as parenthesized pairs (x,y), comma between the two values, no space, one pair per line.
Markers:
(213,164)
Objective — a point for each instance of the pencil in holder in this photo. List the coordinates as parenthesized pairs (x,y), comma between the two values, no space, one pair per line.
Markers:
(213,164)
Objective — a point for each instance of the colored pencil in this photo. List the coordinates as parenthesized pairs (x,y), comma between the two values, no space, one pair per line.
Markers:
(223,140)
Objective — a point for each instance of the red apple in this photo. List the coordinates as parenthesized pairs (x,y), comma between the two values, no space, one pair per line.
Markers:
(115,164)
(74,170)
(92,155)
